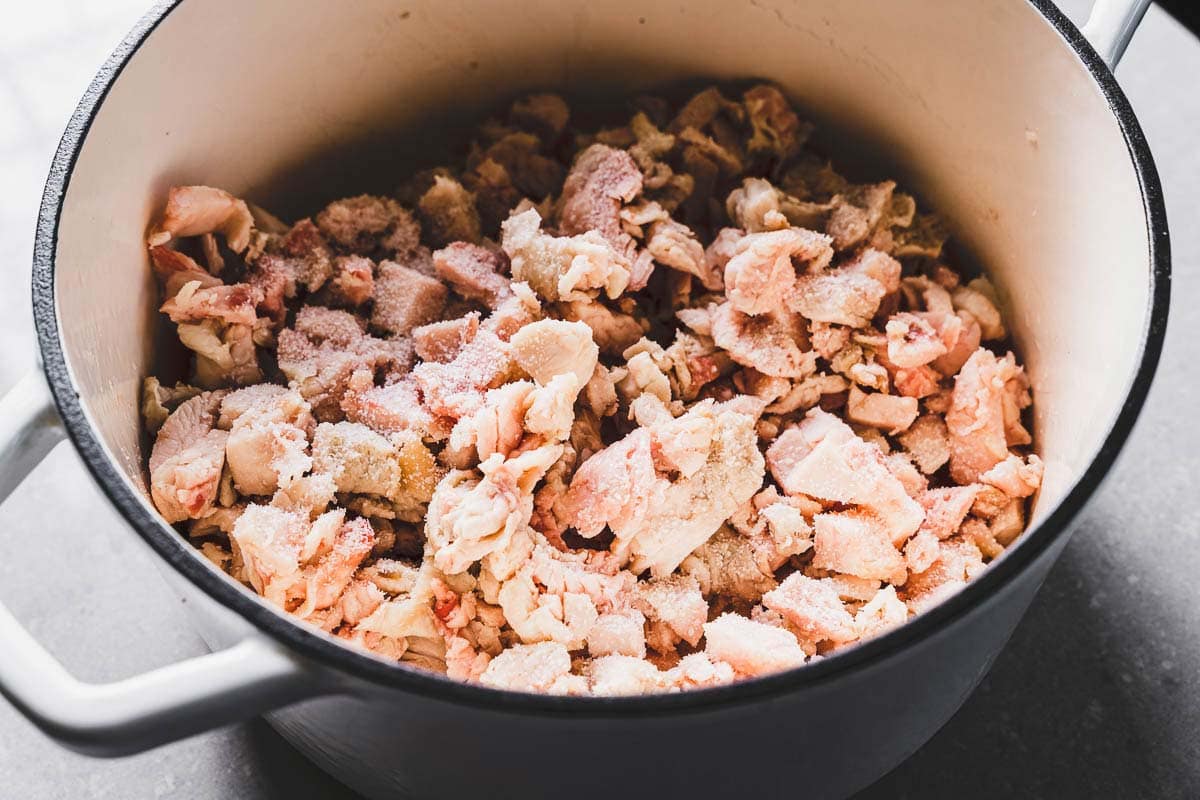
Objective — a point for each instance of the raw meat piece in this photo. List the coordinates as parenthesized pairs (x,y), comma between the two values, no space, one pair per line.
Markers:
(405,299)
(448,213)
(751,648)
(812,607)
(473,272)
(563,267)
(195,210)
(601,179)
(761,274)
(186,461)
(856,543)
(549,348)
(823,458)
(976,418)
(366,224)
(656,520)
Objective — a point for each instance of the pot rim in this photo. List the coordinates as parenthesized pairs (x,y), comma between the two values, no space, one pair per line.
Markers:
(325,651)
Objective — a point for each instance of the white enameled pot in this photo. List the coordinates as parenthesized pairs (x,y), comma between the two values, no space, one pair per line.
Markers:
(999,113)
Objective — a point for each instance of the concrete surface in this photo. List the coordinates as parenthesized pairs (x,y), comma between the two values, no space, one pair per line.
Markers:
(1097,695)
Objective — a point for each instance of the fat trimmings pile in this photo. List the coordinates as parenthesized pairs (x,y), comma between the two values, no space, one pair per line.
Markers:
(656,407)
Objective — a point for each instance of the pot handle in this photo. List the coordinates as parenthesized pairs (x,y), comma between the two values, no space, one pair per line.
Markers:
(1111,25)
(138,713)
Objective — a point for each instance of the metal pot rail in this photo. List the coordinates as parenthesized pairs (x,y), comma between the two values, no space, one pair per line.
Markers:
(1111,25)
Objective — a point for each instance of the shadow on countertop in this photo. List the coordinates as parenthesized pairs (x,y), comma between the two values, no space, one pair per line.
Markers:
(283,773)
(1077,705)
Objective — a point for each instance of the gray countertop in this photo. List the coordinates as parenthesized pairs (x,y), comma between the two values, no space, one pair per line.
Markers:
(1098,694)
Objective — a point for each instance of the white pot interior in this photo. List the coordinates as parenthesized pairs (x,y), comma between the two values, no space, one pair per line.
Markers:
(980,108)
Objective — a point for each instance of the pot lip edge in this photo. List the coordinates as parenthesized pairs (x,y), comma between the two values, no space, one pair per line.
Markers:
(324,651)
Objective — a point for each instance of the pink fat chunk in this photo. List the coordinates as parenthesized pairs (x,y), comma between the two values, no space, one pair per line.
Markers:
(823,458)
